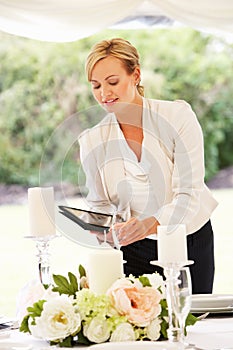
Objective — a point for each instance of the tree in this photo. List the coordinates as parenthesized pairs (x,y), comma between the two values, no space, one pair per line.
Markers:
(43,84)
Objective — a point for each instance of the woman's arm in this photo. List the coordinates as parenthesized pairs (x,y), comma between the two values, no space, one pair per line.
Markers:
(96,196)
(187,179)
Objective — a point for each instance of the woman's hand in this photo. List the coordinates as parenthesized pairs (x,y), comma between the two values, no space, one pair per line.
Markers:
(134,230)
(104,237)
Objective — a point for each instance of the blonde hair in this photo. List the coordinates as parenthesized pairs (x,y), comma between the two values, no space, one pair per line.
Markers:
(118,48)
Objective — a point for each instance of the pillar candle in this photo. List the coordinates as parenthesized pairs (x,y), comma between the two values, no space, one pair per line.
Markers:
(105,266)
(41,211)
(172,244)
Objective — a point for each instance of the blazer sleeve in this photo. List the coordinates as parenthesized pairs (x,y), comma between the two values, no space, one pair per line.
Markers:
(187,156)
(89,157)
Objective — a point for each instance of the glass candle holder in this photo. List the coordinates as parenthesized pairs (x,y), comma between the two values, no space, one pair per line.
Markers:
(171,273)
(43,255)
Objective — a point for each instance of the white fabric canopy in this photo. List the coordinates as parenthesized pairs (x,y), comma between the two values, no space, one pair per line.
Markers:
(69,20)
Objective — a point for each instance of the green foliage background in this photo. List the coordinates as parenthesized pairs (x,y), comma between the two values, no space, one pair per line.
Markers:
(44,84)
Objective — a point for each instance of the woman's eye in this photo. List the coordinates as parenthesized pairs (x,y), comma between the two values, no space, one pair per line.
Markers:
(95,86)
(113,82)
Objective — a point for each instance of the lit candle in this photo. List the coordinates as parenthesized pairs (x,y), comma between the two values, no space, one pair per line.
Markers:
(172,244)
(105,266)
(41,211)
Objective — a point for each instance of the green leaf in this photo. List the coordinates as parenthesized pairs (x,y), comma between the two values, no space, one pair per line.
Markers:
(33,312)
(164,311)
(82,339)
(46,286)
(65,343)
(24,325)
(82,271)
(160,290)
(61,281)
(63,286)
(164,328)
(36,309)
(190,321)
(145,281)
(73,282)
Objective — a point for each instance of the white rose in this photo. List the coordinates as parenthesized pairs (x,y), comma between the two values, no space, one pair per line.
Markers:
(31,293)
(58,320)
(97,331)
(49,294)
(156,281)
(28,295)
(35,331)
(153,330)
(123,332)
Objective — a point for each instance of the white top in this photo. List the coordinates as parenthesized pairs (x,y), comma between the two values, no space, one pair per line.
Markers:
(142,200)
(141,196)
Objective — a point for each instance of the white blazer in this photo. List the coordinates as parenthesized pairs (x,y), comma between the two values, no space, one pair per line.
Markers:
(173,145)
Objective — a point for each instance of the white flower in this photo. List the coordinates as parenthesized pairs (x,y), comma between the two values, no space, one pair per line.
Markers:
(97,331)
(153,330)
(28,295)
(49,294)
(84,283)
(58,320)
(31,293)
(123,332)
(156,281)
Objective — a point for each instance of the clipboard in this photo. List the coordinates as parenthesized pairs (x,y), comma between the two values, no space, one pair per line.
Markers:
(87,219)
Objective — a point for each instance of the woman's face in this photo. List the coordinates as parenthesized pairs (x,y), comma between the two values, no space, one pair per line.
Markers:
(112,86)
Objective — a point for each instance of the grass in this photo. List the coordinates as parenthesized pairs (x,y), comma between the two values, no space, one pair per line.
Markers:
(18,261)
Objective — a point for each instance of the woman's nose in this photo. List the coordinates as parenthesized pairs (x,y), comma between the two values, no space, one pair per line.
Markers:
(105,92)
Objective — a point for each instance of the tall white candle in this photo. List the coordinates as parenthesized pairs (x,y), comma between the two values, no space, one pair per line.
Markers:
(172,244)
(105,266)
(41,211)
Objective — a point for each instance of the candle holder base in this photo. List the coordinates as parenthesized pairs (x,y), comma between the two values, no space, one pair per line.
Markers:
(172,265)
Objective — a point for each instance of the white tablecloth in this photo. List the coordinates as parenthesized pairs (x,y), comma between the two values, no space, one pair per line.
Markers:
(208,334)
(212,333)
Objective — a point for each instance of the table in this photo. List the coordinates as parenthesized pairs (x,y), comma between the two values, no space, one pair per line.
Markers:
(208,334)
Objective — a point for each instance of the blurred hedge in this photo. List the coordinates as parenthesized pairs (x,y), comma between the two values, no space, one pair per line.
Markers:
(45,100)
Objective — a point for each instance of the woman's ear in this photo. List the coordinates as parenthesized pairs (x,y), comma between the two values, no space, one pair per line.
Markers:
(137,75)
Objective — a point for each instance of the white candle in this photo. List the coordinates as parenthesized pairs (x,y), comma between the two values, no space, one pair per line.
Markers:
(104,267)
(172,244)
(41,211)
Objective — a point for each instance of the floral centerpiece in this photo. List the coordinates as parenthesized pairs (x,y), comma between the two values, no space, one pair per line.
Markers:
(69,313)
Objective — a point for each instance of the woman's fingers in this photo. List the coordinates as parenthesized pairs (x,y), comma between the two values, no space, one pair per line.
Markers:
(134,230)
(129,227)
(131,231)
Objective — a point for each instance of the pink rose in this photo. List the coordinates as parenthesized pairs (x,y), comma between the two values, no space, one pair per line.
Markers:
(139,304)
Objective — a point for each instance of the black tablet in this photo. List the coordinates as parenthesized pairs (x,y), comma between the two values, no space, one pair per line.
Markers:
(88,220)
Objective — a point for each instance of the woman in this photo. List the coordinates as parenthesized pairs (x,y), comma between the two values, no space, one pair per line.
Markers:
(145,159)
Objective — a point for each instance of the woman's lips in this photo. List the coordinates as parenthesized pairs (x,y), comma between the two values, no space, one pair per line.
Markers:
(110,102)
